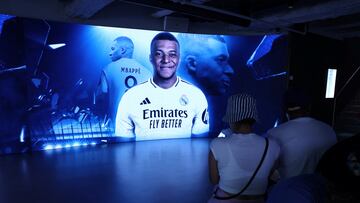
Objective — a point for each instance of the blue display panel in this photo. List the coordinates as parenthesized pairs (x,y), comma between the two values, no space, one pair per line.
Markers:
(61,84)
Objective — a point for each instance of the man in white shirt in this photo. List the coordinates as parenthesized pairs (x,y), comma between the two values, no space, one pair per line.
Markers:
(303,140)
(165,106)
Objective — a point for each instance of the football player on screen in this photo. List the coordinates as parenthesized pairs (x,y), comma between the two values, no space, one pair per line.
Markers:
(205,62)
(121,74)
(165,106)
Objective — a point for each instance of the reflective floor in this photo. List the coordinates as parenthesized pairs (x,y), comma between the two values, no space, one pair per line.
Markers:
(149,171)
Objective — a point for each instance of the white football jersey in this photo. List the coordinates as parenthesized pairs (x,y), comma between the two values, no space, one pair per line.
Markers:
(122,75)
(148,111)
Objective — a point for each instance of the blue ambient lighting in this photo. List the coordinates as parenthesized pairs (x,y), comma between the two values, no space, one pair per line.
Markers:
(68,145)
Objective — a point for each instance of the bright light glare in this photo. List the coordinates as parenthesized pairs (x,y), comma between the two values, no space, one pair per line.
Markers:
(330,84)
(276,123)
(221,135)
(56,46)
(58,146)
(48,147)
(76,144)
(22,134)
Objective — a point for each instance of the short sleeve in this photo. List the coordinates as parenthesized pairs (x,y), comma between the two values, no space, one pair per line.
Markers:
(124,125)
(201,119)
(215,146)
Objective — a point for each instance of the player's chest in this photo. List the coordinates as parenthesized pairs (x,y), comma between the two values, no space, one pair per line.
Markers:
(155,99)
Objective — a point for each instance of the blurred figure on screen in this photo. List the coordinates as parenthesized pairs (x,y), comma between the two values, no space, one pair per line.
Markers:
(165,106)
(121,74)
(204,62)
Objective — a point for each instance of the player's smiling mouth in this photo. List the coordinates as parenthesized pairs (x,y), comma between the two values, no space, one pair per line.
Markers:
(166,67)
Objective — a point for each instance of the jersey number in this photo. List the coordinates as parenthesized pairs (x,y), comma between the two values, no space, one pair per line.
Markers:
(130,81)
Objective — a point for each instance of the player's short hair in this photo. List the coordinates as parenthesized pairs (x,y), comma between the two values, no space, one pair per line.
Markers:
(123,40)
(192,43)
(200,37)
(163,36)
(296,98)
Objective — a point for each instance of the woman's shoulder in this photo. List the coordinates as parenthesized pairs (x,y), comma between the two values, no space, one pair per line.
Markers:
(218,142)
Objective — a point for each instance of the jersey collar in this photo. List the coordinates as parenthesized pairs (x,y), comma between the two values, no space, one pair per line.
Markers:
(156,86)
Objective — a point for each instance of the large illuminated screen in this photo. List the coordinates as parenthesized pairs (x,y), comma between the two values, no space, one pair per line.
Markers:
(70,85)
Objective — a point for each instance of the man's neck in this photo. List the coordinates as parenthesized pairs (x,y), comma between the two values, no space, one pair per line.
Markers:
(298,114)
(243,129)
(165,83)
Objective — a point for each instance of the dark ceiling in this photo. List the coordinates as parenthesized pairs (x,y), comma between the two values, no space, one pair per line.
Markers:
(338,19)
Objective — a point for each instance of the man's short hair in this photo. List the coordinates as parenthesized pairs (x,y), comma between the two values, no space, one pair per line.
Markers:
(125,40)
(296,99)
(200,37)
(190,40)
(163,36)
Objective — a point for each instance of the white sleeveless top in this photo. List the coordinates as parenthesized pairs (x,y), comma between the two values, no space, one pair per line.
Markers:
(238,155)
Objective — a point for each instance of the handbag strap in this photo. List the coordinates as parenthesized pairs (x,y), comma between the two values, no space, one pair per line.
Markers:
(252,177)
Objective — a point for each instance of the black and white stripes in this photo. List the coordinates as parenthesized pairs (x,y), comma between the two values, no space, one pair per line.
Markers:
(240,107)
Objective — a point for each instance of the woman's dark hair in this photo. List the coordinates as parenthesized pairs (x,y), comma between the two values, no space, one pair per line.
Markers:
(247,121)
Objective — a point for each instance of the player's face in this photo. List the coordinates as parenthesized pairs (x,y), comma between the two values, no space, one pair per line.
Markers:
(213,70)
(115,52)
(165,58)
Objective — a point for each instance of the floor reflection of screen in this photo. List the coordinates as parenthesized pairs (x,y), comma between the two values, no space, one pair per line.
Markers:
(68,95)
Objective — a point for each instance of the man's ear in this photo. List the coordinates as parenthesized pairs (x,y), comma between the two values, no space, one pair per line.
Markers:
(190,61)
(150,58)
(122,50)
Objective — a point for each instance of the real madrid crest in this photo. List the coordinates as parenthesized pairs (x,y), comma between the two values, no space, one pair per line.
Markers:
(184,100)
(205,116)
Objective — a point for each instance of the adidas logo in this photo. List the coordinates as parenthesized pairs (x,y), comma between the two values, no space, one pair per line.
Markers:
(145,101)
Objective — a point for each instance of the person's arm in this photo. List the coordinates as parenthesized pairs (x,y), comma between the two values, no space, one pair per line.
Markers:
(101,98)
(124,126)
(103,83)
(213,169)
(274,173)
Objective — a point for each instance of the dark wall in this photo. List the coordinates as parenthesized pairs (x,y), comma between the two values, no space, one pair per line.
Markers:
(347,119)
(310,57)
(348,68)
